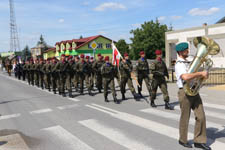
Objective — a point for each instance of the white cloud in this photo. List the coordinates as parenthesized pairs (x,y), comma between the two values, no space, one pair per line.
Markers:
(61,20)
(176,17)
(203,12)
(110,5)
(162,18)
(136,25)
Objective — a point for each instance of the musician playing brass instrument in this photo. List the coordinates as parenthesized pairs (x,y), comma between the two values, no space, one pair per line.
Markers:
(185,74)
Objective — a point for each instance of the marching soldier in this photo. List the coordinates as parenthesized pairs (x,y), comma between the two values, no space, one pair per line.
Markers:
(125,71)
(41,73)
(80,71)
(61,67)
(108,74)
(159,71)
(97,67)
(75,73)
(69,75)
(25,70)
(92,77)
(54,75)
(36,72)
(190,102)
(47,74)
(31,70)
(143,73)
(87,68)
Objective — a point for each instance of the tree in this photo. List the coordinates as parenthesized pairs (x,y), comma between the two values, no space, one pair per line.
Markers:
(149,37)
(26,53)
(81,37)
(43,44)
(122,46)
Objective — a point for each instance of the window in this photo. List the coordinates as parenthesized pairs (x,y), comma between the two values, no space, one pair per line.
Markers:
(99,45)
(108,45)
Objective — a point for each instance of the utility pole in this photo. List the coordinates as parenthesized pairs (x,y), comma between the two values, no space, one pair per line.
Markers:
(14,38)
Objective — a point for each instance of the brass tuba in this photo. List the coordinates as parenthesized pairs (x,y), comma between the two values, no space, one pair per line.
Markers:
(205,46)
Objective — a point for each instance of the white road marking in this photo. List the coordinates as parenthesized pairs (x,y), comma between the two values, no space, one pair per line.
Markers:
(150,125)
(9,116)
(67,107)
(74,99)
(114,135)
(67,141)
(41,111)
(176,117)
(14,142)
(209,113)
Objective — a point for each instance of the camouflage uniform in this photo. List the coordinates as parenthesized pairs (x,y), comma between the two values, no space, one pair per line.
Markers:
(97,68)
(159,71)
(125,71)
(143,74)
(54,76)
(108,74)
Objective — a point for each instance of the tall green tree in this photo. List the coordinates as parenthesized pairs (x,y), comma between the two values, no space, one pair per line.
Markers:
(43,44)
(149,37)
(122,46)
(26,53)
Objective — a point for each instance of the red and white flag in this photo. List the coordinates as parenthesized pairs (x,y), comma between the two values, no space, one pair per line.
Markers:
(116,55)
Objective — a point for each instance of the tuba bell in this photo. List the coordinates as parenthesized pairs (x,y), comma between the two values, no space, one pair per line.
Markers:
(205,46)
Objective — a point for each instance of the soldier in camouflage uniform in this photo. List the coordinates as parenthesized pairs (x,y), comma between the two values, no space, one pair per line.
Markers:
(31,70)
(125,71)
(143,73)
(75,73)
(108,74)
(47,74)
(159,71)
(69,75)
(41,73)
(54,75)
(36,69)
(25,70)
(61,68)
(92,77)
(87,69)
(97,68)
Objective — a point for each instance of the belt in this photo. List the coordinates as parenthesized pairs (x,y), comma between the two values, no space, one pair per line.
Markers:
(180,88)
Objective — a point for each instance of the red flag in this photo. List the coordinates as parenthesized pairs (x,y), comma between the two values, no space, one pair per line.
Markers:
(116,55)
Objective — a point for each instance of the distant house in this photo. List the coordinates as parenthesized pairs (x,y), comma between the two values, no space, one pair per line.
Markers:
(39,50)
(215,31)
(81,46)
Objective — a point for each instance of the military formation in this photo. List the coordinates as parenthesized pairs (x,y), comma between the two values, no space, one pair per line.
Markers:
(84,72)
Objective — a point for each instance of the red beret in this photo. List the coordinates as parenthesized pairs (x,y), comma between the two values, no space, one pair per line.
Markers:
(106,58)
(158,52)
(82,56)
(92,57)
(48,59)
(87,57)
(70,57)
(99,55)
(125,54)
(63,55)
(142,52)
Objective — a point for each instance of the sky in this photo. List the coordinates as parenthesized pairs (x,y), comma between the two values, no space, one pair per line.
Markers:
(59,20)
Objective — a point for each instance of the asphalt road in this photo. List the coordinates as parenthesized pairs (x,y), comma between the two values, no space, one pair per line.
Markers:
(35,119)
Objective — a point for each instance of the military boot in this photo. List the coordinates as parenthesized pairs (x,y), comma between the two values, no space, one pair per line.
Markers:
(116,100)
(153,104)
(106,99)
(89,92)
(168,106)
(123,96)
(99,90)
(54,91)
(139,92)
(70,94)
(63,94)
(135,96)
